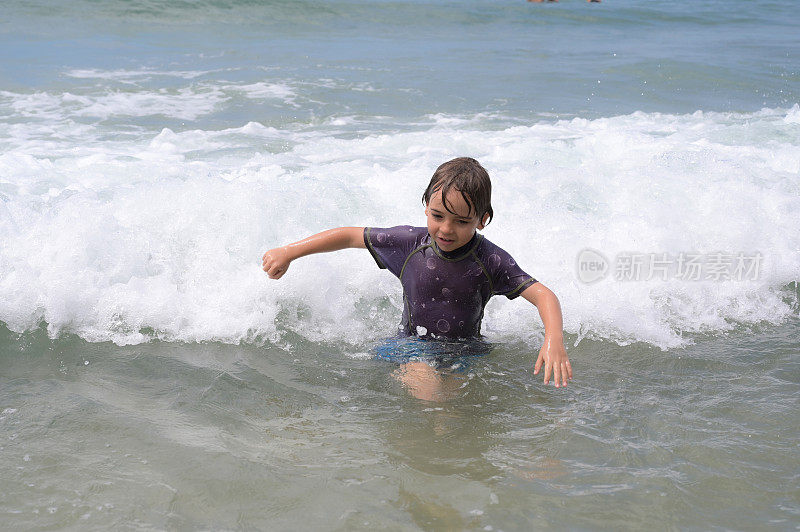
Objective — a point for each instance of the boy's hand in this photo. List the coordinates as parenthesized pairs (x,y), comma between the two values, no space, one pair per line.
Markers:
(552,354)
(275,262)
(556,363)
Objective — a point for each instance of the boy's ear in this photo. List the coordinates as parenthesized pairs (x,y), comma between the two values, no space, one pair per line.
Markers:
(482,223)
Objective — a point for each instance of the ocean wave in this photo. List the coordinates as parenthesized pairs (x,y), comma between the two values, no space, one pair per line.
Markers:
(159,235)
(191,102)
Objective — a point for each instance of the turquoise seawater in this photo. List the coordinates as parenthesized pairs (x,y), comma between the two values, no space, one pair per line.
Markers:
(152,377)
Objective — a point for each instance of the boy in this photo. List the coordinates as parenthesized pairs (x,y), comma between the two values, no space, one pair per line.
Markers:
(448,270)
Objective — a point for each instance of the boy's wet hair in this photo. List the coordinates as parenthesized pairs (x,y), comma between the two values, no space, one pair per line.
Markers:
(467,176)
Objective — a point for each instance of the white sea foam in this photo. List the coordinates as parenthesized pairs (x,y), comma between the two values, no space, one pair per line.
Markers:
(793,116)
(138,74)
(161,234)
(186,103)
(265,90)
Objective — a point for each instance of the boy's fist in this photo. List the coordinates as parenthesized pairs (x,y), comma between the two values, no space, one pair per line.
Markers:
(275,262)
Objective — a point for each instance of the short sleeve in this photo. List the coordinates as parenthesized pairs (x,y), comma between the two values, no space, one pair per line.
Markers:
(508,279)
(392,245)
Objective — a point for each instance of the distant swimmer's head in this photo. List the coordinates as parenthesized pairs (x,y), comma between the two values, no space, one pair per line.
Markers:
(468,178)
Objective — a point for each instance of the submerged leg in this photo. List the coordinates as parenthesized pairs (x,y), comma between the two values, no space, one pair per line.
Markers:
(427,383)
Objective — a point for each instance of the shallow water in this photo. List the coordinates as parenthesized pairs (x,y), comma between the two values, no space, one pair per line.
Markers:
(219,436)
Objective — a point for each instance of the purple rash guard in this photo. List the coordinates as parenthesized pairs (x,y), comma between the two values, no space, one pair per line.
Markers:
(444,292)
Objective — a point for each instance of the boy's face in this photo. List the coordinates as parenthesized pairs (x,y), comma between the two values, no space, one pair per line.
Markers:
(451,230)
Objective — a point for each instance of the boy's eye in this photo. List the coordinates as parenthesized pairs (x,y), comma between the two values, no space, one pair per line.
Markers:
(463,222)
(437,216)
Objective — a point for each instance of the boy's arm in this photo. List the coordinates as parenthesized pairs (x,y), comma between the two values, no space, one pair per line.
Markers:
(276,261)
(552,354)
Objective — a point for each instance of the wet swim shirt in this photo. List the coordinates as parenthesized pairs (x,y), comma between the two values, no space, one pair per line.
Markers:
(444,292)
